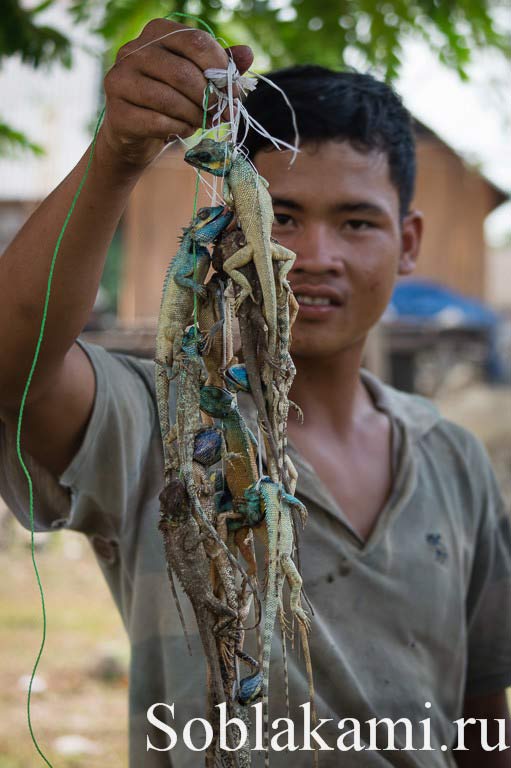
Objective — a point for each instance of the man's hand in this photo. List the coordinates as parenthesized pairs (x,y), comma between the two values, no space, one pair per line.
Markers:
(155,90)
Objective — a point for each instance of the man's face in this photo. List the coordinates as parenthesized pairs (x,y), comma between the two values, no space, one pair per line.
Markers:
(339,211)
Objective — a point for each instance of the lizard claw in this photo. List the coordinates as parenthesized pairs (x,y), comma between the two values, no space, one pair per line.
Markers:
(241,298)
(304,619)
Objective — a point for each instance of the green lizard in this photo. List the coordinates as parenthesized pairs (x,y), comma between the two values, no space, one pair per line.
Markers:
(208,451)
(189,369)
(185,276)
(247,192)
(187,559)
(277,506)
(253,329)
(214,324)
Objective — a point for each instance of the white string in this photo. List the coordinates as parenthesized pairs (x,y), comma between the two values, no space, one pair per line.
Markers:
(226,78)
(211,188)
(156,40)
(293,113)
(259,451)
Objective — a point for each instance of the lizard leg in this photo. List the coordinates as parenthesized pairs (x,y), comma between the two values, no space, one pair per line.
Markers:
(208,337)
(231,265)
(292,475)
(295,585)
(293,309)
(286,259)
(189,282)
(245,542)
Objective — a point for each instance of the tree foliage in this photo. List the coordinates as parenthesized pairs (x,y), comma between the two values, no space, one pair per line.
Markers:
(328,32)
(36,45)
(334,33)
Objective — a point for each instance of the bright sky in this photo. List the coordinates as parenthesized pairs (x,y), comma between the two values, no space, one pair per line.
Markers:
(473,117)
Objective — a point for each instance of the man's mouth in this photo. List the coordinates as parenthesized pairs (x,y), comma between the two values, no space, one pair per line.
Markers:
(317,301)
(313,301)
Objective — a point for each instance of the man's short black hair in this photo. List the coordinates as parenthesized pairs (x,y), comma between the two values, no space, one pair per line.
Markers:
(338,106)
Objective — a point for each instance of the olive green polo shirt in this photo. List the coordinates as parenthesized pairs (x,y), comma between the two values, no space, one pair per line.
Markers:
(420,612)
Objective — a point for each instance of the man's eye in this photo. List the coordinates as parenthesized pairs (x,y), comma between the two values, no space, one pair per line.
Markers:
(359,224)
(282,219)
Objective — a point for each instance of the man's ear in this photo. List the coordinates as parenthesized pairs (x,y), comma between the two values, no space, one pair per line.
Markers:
(411,235)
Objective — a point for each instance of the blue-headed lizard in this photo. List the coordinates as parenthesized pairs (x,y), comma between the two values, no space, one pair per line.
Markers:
(185,276)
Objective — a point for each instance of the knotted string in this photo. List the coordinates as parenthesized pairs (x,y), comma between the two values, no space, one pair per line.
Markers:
(221,79)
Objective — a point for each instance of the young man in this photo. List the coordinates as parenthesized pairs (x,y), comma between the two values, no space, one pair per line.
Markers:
(406,556)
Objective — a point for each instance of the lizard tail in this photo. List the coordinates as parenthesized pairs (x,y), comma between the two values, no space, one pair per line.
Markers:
(308,666)
(179,609)
(269,623)
(284,660)
(165,533)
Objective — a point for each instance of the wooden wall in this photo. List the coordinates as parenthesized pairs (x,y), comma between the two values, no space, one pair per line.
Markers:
(455,201)
(160,207)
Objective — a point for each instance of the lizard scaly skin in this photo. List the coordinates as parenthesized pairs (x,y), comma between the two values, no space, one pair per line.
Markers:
(277,506)
(247,191)
(254,344)
(215,327)
(186,558)
(177,303)
(189,369)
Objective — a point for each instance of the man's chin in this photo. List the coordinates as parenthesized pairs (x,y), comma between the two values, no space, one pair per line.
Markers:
(319,346)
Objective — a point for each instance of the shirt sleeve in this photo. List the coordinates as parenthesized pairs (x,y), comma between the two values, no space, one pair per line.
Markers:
(489,594)
(104,478)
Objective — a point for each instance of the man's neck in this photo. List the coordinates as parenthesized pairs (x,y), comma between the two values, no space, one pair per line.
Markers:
(329,390)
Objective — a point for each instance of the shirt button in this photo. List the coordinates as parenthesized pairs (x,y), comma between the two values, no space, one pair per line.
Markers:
(344,568)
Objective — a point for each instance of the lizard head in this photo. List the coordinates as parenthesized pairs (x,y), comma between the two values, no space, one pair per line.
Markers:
(192,339)
(174,504)
(216,402)
(250,688)
(212,156)
(236,378)
(209,223)
(208,446)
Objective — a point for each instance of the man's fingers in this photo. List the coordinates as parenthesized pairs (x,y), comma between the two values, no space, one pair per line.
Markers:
(194,44)
(243,57)
(145,123)
(159,97)
(175,71)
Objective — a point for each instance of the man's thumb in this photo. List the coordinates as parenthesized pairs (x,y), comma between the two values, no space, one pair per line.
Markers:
(242,55)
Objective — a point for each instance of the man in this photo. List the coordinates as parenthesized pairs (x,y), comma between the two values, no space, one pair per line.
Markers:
(406,556)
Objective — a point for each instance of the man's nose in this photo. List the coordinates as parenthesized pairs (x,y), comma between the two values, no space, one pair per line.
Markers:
(318,251)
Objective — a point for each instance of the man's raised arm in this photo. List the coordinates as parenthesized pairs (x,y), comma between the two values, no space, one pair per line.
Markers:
(153,93)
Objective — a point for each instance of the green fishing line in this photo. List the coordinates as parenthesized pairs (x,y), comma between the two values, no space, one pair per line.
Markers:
(33,367)
(197,180)
(20,423)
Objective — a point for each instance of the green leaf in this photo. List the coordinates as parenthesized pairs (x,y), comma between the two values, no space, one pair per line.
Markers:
(12,141)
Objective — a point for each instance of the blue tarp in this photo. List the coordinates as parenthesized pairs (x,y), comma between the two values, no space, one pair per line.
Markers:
(417,300)
(423,301)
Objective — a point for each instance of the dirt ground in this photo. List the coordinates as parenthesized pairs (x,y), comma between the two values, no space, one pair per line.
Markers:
(84,631)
